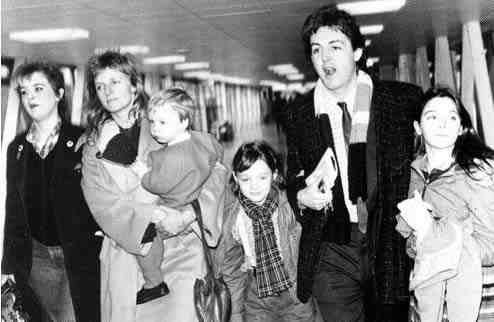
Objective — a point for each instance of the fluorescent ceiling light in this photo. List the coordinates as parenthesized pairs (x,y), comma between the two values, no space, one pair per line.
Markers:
(371,7)
(295,77)
(131,49)
(283,69)
(371,61)
(173,59)
(49,35)
(134,49)
(202,74)
(275,85)
(266,82)
(232,79)
(192,65)
(368,42)
(274,67)
(206,75)
(371,29)
(5,72)
(296,87)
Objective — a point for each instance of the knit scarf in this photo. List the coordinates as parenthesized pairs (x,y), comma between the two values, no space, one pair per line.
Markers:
(356,155)
(271,276)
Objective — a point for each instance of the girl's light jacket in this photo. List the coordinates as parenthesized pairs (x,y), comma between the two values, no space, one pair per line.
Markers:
(124,214)
(463,230)
(230,254)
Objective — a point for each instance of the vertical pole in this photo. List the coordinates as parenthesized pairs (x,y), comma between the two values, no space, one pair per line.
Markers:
(9,133)
(481,78)
(443,73)
(78,95)
(422,68)
(467,78)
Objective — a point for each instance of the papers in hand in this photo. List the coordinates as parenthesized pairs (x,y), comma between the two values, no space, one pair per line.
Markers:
(325,173)
(417,214)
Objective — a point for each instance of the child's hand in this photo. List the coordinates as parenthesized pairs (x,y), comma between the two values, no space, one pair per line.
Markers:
(107,132)
(140,168)
(171,222)
(417,213)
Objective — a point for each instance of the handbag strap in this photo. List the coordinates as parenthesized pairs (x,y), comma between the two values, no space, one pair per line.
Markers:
(207,253)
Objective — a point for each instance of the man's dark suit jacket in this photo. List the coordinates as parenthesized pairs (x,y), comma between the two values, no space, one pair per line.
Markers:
(74,223)
(390,147)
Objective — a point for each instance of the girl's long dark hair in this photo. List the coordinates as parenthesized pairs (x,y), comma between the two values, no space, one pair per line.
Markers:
(248,153)
(96,113)
(469,148)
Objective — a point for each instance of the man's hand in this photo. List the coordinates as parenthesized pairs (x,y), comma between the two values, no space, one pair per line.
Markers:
(312,197)
(324,175)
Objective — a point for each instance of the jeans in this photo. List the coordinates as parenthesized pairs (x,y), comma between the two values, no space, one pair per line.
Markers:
(282,308)
(49,282)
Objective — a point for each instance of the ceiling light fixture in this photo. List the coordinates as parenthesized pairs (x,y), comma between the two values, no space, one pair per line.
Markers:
(295,87)
(295,77)
(49,35)
(275,85)
(5,72)
(232,79)
(371,7)
(371,61)
(173,59)
(371,29)
(134,49)
(131,49)
(192,65)
(206,75)
(202,74)
(283,69)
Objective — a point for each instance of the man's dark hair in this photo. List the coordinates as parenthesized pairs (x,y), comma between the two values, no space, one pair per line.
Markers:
(332,17)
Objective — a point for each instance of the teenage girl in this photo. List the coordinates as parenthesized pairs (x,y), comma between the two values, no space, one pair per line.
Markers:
(451,213)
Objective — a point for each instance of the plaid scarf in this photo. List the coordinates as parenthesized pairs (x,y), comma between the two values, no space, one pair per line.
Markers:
(43,148)
(271,276)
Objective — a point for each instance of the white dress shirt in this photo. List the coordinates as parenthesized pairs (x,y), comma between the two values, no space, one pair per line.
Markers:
(326,102)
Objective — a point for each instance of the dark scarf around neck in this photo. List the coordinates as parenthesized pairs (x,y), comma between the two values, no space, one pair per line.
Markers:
(271,276)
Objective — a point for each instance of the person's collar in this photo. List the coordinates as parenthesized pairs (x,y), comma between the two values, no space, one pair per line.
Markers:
(323,94)
(182,137)
(35,133)
(126,122)
(44,143)
(421,165)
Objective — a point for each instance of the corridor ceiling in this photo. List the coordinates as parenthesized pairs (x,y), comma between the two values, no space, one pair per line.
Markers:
(238,37)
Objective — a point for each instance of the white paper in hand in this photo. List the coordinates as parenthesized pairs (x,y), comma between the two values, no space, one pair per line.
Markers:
(326,171)
(417,213)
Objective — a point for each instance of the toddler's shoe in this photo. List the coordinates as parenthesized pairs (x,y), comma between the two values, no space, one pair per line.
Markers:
(149,294)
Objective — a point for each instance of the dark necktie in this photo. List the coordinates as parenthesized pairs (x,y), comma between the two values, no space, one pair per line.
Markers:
(347,122)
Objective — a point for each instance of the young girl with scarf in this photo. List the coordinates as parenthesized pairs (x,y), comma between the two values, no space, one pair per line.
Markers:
(260,241)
